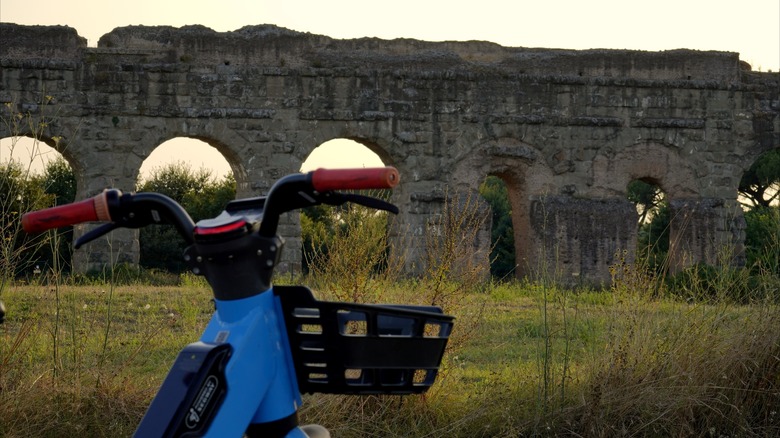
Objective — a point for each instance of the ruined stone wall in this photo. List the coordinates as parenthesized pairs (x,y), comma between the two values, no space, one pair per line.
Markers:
(567,128)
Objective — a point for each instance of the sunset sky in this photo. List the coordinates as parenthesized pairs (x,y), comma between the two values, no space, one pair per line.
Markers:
(749,27)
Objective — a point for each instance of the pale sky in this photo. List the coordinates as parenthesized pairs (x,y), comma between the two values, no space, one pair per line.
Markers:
(749,27)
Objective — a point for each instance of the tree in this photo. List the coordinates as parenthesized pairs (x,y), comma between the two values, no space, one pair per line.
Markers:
(20,192)
(759,185)
(176,180)
(211,199)
(653,224)
(326,228)
(59,182)
(653,239)
(502,236)
(647,197)
(345,248)
(762,239)
(318,228)
(199,193)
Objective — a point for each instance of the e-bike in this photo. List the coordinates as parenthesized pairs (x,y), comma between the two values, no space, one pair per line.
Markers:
(265,345)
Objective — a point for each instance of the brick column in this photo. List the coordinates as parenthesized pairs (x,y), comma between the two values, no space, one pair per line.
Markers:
(575,241)
(708,230)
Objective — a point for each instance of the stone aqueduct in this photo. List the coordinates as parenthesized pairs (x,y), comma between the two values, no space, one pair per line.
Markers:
(566,130)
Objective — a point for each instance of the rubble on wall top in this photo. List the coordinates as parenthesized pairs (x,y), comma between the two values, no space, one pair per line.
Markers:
(273,46)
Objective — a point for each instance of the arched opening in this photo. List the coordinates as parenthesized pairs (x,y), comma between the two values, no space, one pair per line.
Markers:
(341,153)
(502,238)
(759,186)
(196,154)
(653,224)
(33,175)
(198,177)
(333,238)
(31,154)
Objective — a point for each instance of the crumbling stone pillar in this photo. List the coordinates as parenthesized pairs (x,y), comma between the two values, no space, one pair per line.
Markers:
(576,241)
(408,236)
(709,231)
(111,167)
(458,222)
(120,247)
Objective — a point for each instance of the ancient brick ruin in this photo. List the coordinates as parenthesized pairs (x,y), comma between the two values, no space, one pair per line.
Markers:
(566,130)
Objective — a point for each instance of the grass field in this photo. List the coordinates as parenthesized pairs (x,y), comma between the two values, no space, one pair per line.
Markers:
(524,360)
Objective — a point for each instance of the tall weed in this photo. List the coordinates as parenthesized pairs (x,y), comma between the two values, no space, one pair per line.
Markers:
(21,190)
(452,279)
(691,368)
(353,264)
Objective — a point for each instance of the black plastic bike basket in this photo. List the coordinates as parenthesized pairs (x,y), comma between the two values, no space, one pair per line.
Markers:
(347,348)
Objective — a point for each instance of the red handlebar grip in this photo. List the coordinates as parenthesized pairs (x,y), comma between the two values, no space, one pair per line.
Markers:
(88,210)
(354,179)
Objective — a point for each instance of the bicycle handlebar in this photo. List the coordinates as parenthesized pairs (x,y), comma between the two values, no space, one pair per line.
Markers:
(88,210)
(101,207)
(354,179)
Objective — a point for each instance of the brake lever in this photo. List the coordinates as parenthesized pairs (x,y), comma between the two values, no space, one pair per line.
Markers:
(93,234)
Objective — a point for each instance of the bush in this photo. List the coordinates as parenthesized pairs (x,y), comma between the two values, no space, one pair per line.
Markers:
(200,194)
(762,239)
(502,237)
(20,192)
(707,283)
(346,250)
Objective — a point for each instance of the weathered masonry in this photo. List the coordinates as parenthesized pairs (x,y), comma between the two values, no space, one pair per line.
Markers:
(566,130)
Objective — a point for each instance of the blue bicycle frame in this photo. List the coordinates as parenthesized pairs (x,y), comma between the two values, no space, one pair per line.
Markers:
(256,380)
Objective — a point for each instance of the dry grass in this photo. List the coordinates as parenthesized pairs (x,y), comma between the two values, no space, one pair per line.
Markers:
(619,364)
(58,376)
(685,370)
(623,367)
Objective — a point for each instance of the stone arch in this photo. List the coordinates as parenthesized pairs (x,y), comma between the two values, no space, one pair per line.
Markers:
(700,227)
(192,160)
(750,244)
(334,153)
(644,161)
(60,146)
(751,160)
(234,148)
(34,153)
(356,148)
(527,177)
(127,157)
(198,151)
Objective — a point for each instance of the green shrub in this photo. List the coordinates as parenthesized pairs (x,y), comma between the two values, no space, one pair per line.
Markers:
(762,239)
(201,196)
